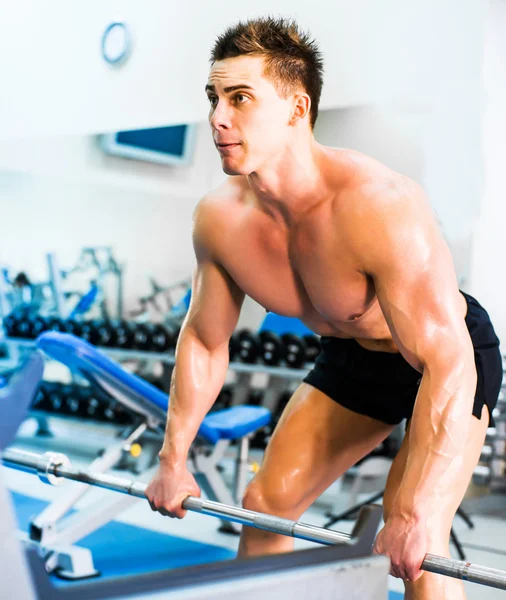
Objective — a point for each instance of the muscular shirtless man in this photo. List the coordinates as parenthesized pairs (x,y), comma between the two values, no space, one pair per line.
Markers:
(352,249)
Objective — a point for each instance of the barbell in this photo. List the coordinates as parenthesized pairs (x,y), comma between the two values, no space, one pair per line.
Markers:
(52,468)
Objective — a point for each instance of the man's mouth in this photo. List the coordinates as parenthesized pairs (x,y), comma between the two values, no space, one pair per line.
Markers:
(227,149)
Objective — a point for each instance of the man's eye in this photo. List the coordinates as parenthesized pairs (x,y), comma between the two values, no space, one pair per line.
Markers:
(212,100)
(239,96)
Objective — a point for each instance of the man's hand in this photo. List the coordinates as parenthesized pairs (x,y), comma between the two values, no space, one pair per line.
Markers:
(404,541)
(169,488)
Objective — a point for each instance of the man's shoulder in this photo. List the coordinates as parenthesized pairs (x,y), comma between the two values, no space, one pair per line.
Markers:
(380,206)
(230,192)
(215,212)
(373,196)
(373,185)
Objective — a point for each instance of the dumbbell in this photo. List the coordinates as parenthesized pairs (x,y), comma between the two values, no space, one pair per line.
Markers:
(122,416)
(295,350)
(142,335)
(261,438)
(312,347)
(89,332)
(72,400)
(106,334)
(233,348)
(39,324)
(54,397)
(164,337)
(12,321)
(99,332)
(124,332)
(54,324)
(73,327)
(91,405)
(154,337)
(272,350)
(114,412)
(244,346)
(10,324)
(23,328)
(18,323)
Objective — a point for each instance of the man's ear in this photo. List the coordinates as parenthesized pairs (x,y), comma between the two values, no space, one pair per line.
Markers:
(301,107)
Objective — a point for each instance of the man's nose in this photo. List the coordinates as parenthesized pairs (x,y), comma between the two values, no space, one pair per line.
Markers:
(221,117)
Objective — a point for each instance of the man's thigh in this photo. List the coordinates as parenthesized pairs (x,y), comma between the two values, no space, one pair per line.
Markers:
(314,443)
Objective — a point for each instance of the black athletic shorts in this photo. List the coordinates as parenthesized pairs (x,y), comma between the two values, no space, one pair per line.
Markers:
(383,385)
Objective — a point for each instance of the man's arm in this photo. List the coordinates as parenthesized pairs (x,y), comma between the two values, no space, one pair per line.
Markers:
(399,246)
(202,354)
(201,365)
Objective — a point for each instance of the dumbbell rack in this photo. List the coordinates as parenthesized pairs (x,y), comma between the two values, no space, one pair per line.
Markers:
(492,468)
(17,346)
(278,377)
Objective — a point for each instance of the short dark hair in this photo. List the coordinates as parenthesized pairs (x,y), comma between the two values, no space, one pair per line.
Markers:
(292,59)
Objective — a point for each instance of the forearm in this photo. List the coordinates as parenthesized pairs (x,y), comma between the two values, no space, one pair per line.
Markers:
(437,437)
(197,380)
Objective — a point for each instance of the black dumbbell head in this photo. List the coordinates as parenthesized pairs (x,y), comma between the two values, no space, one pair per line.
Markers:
(312,347)
(272,350)
(249,347)
(73,327)
(295,350)
(10,323)
(106,333)
(124,332)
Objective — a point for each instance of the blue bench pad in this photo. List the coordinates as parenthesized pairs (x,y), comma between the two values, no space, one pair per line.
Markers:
(238,421)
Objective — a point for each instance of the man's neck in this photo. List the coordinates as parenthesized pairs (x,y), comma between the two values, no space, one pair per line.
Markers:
(293,184)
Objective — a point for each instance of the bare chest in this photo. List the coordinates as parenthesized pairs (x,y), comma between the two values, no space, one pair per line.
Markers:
(310,276)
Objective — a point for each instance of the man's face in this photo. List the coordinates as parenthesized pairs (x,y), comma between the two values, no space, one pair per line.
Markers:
(249,120)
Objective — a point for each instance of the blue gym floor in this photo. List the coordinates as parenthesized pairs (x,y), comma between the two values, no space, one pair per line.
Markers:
(115,547)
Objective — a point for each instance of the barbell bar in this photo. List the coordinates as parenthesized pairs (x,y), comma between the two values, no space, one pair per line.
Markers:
(53,467)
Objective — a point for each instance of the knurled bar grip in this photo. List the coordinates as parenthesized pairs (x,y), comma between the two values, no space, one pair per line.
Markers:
(464,570)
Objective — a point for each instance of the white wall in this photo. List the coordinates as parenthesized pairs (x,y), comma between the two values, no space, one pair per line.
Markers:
(54,80)
(489,252)
(392,137)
